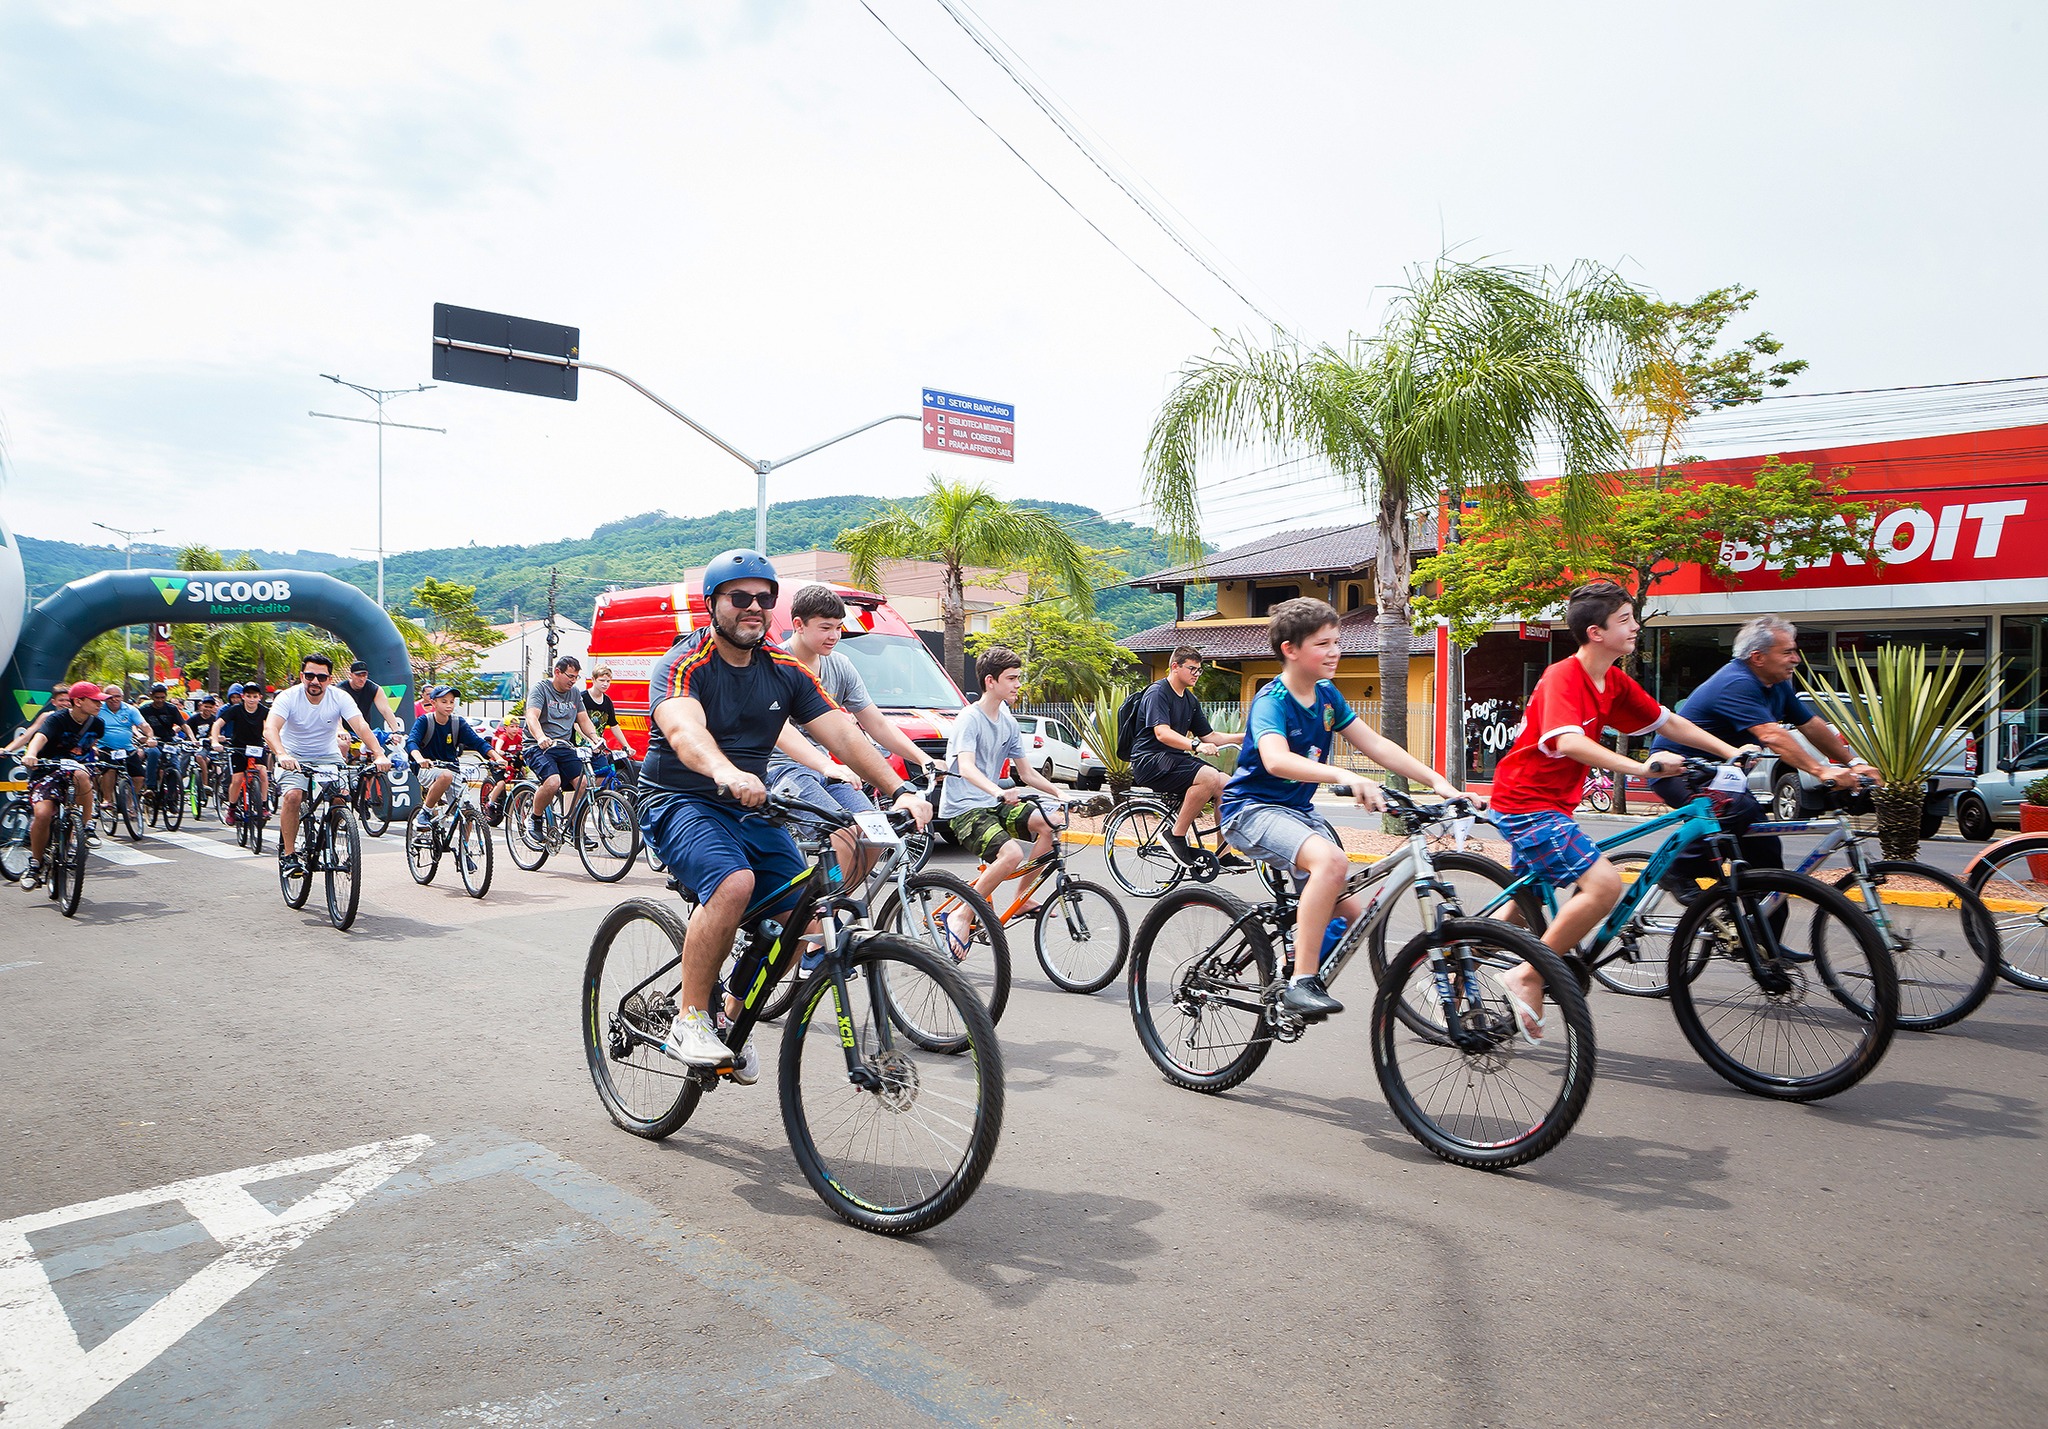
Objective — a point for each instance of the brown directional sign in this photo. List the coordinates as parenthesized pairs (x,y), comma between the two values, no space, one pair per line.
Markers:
(518,359)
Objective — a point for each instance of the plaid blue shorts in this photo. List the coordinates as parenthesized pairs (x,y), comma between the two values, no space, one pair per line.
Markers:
(1549,844)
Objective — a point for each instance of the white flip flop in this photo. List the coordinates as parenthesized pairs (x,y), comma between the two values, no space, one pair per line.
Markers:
(1524,1014)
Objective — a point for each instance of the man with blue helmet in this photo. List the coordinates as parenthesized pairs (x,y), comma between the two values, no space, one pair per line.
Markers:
(718,701)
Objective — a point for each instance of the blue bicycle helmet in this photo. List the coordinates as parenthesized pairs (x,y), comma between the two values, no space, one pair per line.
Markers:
(738,565)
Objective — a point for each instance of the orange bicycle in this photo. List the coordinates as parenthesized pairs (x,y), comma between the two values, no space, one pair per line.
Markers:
(1081,935)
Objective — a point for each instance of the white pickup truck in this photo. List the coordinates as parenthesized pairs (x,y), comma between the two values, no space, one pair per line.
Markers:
(1792,793)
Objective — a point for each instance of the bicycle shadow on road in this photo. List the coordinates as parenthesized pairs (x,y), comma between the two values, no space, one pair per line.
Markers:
(1020,1240)
(1046,1063)
(1630,1173)
(1938,1113)
(106,912)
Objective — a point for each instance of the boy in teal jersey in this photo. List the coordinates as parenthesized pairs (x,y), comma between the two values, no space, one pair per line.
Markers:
(1267,809)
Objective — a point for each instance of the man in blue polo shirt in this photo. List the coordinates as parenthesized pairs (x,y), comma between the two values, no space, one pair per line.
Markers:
(1751,700)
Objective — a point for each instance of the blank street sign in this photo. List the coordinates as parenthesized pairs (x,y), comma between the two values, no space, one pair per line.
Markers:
(517,371)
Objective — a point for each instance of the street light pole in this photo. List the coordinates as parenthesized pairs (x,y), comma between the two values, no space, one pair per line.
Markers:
(128,563)
(379,395)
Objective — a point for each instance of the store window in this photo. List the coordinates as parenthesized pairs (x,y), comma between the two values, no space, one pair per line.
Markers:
(2023,701)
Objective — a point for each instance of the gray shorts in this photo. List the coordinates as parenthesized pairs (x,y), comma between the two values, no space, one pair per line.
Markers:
(289,779)
(1273,833)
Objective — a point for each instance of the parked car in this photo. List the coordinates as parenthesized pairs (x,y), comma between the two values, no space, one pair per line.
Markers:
(1792,793)
(1059,753)
(1995,801)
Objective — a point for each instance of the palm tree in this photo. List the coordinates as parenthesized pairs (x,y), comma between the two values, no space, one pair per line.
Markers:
(207,638)
(962,524)
(1474,367)
(106,660)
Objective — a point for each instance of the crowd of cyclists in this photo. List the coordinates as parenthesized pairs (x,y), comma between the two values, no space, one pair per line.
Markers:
(749,738)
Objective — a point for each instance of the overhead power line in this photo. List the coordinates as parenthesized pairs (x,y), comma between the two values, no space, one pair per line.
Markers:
(1149,277)
(1069,128)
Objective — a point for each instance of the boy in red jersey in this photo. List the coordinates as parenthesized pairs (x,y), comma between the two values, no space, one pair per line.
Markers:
(1539,779)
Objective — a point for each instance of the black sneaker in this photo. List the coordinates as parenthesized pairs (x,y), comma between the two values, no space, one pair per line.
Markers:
(288,865)
(1309,998)
(1234,863)
(535,834)
(1683,889)
(32,878)
(1177,845)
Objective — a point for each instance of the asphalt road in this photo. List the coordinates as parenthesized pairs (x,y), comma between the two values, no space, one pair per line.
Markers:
(396,1201)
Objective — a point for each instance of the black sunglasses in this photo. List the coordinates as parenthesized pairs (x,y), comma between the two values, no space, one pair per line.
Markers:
(741,599)
(313,675)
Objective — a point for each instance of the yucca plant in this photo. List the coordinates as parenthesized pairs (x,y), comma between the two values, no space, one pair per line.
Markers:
(1101,732)
(1897,713)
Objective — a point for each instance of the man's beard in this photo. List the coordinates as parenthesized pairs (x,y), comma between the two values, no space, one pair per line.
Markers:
(732,632)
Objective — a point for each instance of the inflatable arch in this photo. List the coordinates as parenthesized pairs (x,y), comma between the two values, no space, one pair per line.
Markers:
(57,628)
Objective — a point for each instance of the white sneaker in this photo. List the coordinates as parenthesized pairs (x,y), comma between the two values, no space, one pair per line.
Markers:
(746,1068)
(32,879)
(693,1041)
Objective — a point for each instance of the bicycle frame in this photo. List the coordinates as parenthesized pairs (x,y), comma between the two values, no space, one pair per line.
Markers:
(841,916)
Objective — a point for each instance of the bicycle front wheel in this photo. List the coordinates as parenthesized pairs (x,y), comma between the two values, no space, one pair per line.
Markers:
(1082,937)
(15,818)
(1470,1089)
(630,982)
(1134,846)
(174,798)
(1944,945)
(1200,969)
(344,866)
(474,853)
(1784,989)
(892,1138)
(939,902)
(422,853)
(607,835)
(125,801)
(71,854)
(2012,880)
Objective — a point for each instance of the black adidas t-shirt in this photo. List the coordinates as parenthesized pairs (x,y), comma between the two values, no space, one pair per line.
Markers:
(744,707)
(241,728)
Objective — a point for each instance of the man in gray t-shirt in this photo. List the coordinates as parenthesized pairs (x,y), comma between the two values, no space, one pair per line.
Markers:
(554,712)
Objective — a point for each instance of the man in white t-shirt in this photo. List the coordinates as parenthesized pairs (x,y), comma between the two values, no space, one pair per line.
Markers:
(301,731)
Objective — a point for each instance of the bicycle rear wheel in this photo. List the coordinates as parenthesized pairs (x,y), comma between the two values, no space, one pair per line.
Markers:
(1082,937)
(1944,947)
(2012,880)
(518,810)
(344,869)
(630,982)
(299,886)
(422,852)
(125,800)
(474,854)
(15,818)
(171,792)
(1470,1089)
(1199,972)
(901,1143)
(370,805)
(983,964)
(1638,960)
(1134,846)
(1812,1016)
(607,835)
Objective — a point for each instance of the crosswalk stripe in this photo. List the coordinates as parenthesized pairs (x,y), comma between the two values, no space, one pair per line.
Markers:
(125,857)
(199,843)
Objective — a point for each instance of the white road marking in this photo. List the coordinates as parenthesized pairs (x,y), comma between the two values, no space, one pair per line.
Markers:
(47,1378)
(199,843)
(123,855)
(17,967)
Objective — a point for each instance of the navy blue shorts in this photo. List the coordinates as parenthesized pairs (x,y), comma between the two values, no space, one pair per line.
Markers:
(704,844)
(1549,844)
(562,759)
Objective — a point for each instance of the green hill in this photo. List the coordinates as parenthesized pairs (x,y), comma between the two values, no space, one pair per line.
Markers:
(639,550)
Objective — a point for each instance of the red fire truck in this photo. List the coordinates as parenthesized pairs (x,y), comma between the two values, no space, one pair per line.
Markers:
(633,628)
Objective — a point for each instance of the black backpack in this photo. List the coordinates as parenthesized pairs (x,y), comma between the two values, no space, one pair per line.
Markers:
(1127,722)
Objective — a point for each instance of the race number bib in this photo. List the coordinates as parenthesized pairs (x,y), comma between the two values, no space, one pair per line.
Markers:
(874,828)
(254,751)
(1729,780)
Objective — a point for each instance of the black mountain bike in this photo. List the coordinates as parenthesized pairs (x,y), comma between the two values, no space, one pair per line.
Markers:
(167,797)
(328,845)
(64,856)
(891,1078)
(456,827)
(118,802)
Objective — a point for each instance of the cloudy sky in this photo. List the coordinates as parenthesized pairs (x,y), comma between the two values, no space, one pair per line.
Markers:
(773,216)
